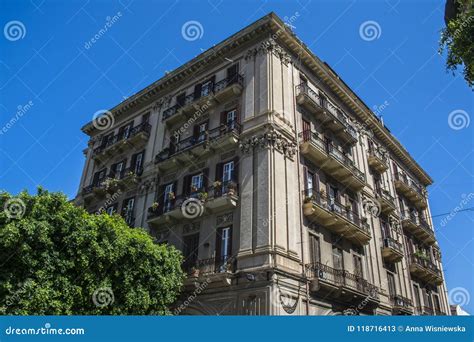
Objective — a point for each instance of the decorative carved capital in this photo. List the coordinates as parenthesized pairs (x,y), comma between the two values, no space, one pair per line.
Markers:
(269,46)
(270,139)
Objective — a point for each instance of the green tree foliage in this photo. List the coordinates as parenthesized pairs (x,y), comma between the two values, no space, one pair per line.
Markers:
(458,38)
(57,259)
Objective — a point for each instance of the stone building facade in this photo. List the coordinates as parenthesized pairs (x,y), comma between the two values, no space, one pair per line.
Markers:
(283,190)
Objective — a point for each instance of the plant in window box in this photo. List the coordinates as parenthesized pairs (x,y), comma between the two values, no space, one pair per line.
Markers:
(217,184)
(308,199)
(171,196)
(194,188)
(111,184)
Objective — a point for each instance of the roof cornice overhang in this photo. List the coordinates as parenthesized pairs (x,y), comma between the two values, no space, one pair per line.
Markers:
(272,25)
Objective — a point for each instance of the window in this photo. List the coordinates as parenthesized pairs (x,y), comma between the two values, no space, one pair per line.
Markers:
(306,130)
(232,73)
(228,171)
(117,169)
(200,131)
(124,132)
(207,88)
(137,162)
(99,176)
(314,249)
(106,139)
(112,209)
(197,182)
(358,269)
(223,248)
(127,210)
(146,118)
(168,197)
(310,182)
(190,250)
(337,258)
(231,118)
(437,305)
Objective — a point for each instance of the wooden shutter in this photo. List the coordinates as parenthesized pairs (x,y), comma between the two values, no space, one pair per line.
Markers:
(196,131)
(205,178)
(197,91)
(235,174)
(232,73)
(213,82)
(186,185)
(180,99)
(219,167)
(223,117)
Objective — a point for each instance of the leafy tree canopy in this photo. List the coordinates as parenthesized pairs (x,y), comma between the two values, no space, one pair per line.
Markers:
(458,37)
(57,259)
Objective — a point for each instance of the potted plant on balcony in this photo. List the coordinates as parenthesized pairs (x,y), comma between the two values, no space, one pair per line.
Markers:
(217,184)
(111,184)
(154,207)
(194,272)
(171,196)
(203,196)
(231,188)
(194,189)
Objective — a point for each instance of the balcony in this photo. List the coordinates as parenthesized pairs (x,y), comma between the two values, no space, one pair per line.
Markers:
(425,310)
(418,227)
(410,189)
(335,217)
(424,269)
(392,250)
(182,152)
(331,116)
(340,284)
(401,305)
(386,200)
(377,160)
(113,183)
(217,93)
(216,198)
(331,160)
(214,272)
(136,137)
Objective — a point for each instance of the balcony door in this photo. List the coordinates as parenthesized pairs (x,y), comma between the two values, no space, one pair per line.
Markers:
(416,291)
(168,197)
(197,182)
(190,250)
(137,162)
(223,248)
(227,173)
(232,73)
(306,130)
(314,249)
(200,131)
(124,132)
(127,210)
(392,289)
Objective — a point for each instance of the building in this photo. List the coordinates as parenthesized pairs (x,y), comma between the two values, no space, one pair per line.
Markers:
(283,190)
(457,310)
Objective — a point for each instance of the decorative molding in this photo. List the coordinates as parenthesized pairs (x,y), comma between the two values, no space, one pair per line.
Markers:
(190,228)
(227,218)
(270,139)
(269,46)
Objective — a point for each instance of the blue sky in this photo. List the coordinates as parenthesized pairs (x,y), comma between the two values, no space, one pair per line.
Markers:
(46,69)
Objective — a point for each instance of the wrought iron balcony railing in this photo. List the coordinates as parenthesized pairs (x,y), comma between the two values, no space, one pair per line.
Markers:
(342,278)
(192,141)
(144,127)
